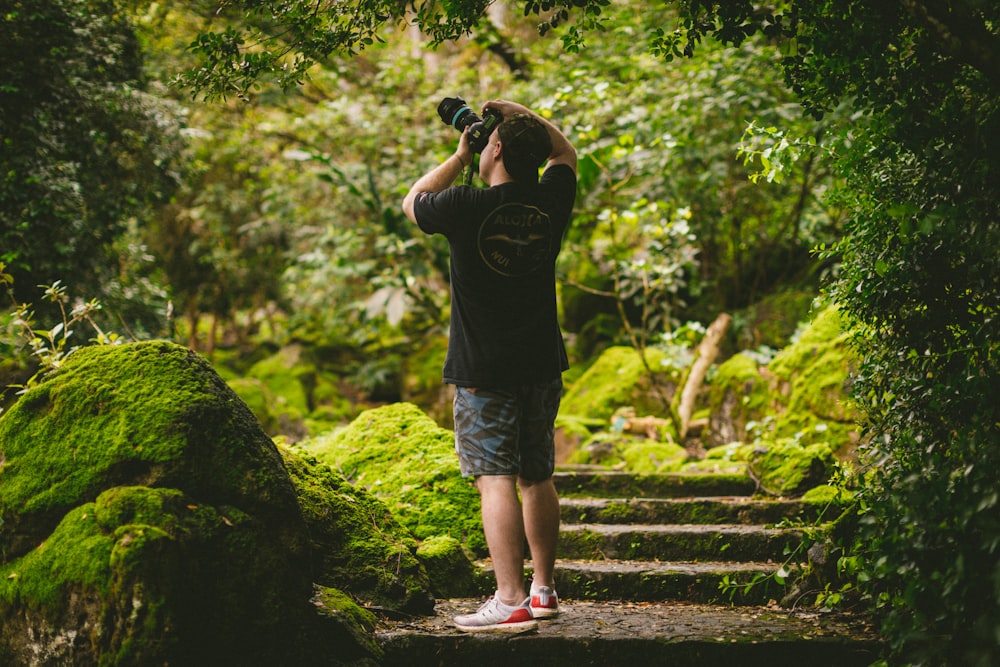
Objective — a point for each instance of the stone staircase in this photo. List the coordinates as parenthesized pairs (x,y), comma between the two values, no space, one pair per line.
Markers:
(642,558)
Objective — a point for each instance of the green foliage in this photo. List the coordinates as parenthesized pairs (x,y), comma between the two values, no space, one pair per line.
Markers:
(650,254)
(903,99)
(48,348)
(920,283)
(628,139)
(85,150)
(281,42)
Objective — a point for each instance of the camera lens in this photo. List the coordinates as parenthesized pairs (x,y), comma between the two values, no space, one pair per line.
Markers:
(455,112)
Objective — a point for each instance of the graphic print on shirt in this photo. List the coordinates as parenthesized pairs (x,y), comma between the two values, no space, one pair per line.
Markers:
(514,239)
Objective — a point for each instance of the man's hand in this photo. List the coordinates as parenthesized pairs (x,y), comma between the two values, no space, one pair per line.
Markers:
(562,150)
(464,152)
(507,108)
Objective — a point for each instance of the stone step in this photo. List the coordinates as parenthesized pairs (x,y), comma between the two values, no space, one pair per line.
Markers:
(614,484)
(676,542)
(733,509)
(658,581)
(635,633)
(644,581)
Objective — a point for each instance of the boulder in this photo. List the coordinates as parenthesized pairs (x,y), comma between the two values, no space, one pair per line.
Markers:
(407,461)
(357,544)
(145,518)
(804,392)
(619,379)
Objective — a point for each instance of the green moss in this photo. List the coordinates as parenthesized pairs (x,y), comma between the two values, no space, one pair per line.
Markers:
(813,376)
(338,602)
(740,373)
(738,396)
(127,466)
(825,494)
(734,451)
(290,377)
(357,544)
(451,572)
(602,448)
(152,414)
(653,456)
(617,379)
(803,393)
(724,459)
(578,428)
(622,451)
(356,623)
(787,467)
(76,556)
(139,561)
(406,460)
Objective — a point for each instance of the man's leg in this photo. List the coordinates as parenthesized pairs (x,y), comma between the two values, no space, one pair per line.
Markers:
(541,526)
(504,526)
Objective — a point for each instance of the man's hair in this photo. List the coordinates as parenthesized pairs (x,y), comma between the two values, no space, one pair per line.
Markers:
(526,146)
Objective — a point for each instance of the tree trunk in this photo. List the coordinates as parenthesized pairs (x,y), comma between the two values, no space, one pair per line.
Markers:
(708,350)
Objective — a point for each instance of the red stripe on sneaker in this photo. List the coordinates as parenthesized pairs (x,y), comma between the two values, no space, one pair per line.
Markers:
(520,615)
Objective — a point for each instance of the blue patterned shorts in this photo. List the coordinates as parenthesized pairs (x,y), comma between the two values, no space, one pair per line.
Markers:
(507,432)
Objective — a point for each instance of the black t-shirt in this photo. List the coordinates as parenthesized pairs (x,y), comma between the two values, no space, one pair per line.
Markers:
(504,242)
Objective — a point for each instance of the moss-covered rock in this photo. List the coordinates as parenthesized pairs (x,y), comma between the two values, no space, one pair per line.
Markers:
(621,451)
(406,460)
(357,544)
(146,519)
(802,393)
(786,467)
(619,379)
(149,414)
(350,630)
(826,494)
(451,572)
(739,395)
(813,377)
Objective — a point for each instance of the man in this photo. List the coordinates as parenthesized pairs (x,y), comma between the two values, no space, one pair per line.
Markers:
(505,352)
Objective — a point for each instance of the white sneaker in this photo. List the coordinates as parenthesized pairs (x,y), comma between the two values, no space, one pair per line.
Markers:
(544,603)
(495,616)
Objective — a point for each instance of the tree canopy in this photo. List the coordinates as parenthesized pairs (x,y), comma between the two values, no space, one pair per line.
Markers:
(85,149)
(265,183)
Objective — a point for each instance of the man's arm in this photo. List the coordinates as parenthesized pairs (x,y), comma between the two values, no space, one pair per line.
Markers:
(440,177)
(562,150)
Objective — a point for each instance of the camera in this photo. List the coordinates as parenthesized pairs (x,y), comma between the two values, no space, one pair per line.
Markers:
(455,112)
